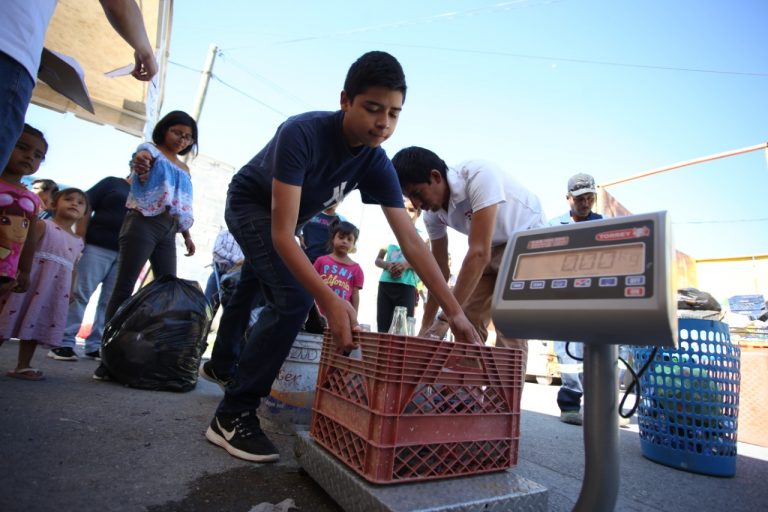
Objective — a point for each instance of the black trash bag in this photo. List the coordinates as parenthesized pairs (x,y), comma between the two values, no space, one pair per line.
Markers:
(157,337)
(692,298)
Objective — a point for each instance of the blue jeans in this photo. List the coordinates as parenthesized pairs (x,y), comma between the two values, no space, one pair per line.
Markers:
(270,339)
(571,375)
(97,265)
(15,92)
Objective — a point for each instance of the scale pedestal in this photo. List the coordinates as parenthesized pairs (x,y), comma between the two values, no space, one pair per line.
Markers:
(489,492)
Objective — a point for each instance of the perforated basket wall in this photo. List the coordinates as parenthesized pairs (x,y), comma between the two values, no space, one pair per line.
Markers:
(410,408)
(689,409)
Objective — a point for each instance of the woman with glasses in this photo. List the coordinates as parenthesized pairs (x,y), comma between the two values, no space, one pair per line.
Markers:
(159,206)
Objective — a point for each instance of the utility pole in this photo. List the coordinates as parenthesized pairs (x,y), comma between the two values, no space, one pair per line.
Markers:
(204,79)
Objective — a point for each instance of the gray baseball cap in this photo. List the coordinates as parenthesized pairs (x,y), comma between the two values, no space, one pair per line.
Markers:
(581,184)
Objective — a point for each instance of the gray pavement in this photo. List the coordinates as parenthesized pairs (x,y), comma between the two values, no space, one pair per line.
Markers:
(70,443)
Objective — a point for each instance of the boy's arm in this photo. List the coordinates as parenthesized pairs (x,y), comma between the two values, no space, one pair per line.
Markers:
(425,266)
(478,254)
(340,314)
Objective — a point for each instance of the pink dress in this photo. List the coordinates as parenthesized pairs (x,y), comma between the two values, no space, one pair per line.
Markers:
(40,314)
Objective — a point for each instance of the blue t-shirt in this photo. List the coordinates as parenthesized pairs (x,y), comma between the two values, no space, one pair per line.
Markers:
(308,150)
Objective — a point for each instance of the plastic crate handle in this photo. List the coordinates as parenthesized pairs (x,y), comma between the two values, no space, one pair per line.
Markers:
(464,364)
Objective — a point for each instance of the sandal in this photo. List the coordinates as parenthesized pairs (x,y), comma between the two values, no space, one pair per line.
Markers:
(26,374)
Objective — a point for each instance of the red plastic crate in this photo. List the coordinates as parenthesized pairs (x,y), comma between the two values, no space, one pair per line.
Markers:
(416,408)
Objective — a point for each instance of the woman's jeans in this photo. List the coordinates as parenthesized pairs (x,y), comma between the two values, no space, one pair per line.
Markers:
(141,239)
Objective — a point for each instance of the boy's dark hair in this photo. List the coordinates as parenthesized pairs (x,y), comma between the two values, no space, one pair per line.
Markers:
(374,69)
(414,165)
(171,119)
(343,227)
(47,185)
(67,191)
(37,133)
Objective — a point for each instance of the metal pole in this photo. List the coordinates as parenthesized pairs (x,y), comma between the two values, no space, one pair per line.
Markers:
(204,79)
(686,164)
(600,486)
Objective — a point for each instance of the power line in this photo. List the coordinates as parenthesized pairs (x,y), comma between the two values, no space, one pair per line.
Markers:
(444,16)
(266,80)
(185,67)
(273,109)
(215,77)
(571,60)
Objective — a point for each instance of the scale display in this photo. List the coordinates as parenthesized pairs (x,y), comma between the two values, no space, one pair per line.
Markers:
(604,281)
(620,260)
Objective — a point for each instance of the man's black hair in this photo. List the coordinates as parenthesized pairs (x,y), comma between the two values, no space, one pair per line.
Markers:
(415,164)
(374,69)
(46,185)
(171,119)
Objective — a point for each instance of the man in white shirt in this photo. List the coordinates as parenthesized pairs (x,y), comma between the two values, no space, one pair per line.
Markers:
(481,200)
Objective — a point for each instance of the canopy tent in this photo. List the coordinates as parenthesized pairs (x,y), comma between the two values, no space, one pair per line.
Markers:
(80,30)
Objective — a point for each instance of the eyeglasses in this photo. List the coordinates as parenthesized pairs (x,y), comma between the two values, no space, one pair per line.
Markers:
(181,135)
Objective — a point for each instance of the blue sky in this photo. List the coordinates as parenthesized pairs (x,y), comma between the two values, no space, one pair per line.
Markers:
(545,88)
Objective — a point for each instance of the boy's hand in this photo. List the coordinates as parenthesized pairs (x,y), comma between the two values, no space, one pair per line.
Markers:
(22,282)
(463,330)
(342,320)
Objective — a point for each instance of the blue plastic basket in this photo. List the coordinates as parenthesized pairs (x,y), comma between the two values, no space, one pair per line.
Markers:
(688,414)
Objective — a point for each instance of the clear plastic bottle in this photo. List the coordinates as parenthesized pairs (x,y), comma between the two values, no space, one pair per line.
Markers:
(399,321)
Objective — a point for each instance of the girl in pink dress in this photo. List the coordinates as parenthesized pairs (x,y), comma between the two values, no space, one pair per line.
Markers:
(38,316)
(338,270)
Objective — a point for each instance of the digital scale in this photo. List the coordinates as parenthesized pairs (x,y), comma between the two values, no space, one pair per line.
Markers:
(602,282)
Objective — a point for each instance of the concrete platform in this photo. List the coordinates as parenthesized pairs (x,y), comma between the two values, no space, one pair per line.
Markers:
(489,492)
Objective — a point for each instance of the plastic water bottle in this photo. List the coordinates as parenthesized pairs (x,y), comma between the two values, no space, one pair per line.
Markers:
(399,321)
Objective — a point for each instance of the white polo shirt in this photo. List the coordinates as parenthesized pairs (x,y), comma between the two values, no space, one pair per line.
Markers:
(477,184)
(22,31)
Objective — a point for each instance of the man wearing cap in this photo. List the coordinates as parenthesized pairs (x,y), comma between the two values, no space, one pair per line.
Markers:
(581,197)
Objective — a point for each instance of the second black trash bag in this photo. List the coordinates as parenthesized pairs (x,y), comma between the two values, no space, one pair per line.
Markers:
(156,338)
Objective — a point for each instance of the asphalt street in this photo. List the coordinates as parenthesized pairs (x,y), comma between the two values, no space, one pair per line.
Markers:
(70,443)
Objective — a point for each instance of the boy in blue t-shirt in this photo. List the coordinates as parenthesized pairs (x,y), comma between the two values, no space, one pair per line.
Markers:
(312,162)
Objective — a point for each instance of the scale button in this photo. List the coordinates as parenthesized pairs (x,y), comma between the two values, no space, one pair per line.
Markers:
(634,280)
(560,283)
(608,281)
(583,282)
(517,285)
(538,285)
(634,291)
